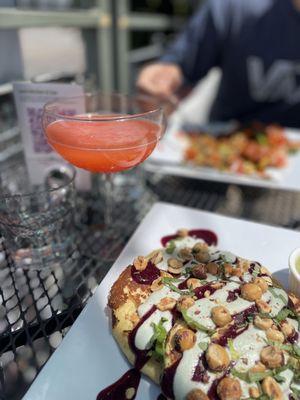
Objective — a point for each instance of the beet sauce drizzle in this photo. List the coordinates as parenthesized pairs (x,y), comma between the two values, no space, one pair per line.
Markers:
(200,291)
(293,338)
(237,328)
(167,380)
(252,266)
(183,284)
(208,236)
(241,317)
(212,393)
(200,373)
(233,295)
(161,397)
(131,378)
(117,390)
(146,276)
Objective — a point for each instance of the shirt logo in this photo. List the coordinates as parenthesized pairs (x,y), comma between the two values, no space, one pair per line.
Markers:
(277,83)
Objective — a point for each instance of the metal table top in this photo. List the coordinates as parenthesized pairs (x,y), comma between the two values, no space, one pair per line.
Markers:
(38,308)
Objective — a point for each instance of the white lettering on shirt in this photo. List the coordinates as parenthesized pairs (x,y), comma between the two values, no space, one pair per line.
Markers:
(277,83)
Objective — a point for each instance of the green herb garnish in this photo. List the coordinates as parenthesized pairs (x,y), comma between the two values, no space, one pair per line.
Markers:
(292,349)
(264,315)
(279,378)
(278,295)
(281,369)
(287,312)
(283,314)
(298,319)
(256,377)
(203,346)
(296,393)
(188,271)
(158,339)
(235,355)
(171,246)
(244,376)
(222,271)
(294,364)
(167,281)
(296,350)
(296,377)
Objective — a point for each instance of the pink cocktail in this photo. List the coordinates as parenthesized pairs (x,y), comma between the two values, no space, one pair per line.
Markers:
(116,133)
(103,146)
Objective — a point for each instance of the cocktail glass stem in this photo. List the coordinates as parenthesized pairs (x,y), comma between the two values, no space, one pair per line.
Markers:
(108,180)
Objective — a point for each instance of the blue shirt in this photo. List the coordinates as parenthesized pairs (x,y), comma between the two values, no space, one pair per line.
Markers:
(256,43)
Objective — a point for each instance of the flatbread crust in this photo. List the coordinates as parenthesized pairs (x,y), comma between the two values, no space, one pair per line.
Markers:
(125,297)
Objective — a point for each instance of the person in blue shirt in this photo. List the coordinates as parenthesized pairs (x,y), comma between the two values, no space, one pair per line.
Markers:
(255,43)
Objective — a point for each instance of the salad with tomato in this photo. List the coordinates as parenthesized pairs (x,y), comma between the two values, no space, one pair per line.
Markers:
(248,150)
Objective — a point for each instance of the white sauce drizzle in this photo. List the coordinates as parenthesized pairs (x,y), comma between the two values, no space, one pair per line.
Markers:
(179,244)
(183,377)
(249,344)
(145,331)
(276,303)
(154,299)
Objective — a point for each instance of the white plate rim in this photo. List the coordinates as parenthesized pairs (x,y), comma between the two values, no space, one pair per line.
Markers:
(172,165)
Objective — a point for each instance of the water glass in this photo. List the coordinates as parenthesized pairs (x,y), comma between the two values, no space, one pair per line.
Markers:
(37,224)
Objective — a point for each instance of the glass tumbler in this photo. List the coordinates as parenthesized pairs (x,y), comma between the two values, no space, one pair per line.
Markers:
(37,223)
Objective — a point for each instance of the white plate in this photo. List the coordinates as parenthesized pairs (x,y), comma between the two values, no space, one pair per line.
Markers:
(88,359)
(168,158)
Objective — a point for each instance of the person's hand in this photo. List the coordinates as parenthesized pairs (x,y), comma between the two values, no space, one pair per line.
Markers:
(160,80)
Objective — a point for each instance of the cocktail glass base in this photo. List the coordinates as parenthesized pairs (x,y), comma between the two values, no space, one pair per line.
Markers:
(129,197)
(132,199)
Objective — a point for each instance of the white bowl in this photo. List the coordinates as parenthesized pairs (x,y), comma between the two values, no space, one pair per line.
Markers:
(294,275)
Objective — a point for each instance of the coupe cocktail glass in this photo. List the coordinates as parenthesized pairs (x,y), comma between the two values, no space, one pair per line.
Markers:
(115,133)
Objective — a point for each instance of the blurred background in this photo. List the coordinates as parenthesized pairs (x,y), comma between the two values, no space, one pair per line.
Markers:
(97,43)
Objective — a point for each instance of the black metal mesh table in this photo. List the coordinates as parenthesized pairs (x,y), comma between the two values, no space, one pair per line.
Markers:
(38,308)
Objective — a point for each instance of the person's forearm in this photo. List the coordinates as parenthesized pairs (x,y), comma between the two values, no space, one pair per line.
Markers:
(160,80)
(198,48)
(190,57)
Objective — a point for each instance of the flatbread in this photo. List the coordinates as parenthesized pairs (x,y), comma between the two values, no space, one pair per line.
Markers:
(242,287)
